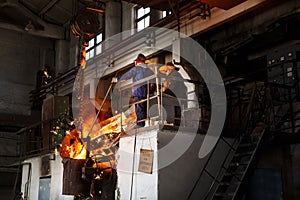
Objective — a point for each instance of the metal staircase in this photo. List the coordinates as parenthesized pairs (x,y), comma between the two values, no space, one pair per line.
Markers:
(235,172)
(238,150)
(285,113)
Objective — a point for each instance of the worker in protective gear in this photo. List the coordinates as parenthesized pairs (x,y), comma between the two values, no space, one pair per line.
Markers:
(174,83)
(138,72)
(174,87)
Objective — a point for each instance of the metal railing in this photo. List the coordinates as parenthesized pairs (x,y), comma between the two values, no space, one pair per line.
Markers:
(285,113)
(161,100)
(229,146)
(39,138)
(34,140)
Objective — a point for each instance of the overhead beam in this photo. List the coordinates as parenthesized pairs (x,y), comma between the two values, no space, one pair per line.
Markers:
(190,27)
(48,7)
(42,33)
(225,4)
(219,17)
(249,28)
(50,30)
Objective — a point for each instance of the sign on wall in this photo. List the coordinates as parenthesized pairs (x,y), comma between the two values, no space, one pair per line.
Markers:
(146,161)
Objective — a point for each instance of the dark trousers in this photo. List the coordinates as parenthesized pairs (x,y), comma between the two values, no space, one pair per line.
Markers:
(140,110)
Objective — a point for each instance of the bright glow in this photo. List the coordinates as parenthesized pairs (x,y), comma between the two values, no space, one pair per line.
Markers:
(165,13)
(91,53)
(99,38)
(140,25)
(72,147)
(142,18)
(98,49)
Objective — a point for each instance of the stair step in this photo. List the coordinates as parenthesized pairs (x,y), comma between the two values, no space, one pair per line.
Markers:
(246,140)
(246,145)
(234,173)
(237,168)
(224,184)
(228,183)
(245,149)
(223,194)
(247,153)
(237,164)
(220,194)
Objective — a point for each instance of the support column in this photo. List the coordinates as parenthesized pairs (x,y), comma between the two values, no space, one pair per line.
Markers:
(62,54)
(113,21)
(155,15)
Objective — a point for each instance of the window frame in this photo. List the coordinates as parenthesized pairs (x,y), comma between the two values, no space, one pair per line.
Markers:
(141,18)
(165,13)
(93,48)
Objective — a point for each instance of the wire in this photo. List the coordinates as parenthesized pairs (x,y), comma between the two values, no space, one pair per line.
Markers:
(176,14)
(133,162)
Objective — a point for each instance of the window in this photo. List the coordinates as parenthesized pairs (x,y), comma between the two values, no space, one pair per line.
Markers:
(142,18)
(95,46)
(166,13)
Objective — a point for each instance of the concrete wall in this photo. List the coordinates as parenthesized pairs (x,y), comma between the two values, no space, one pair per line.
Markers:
(295,155)
(73,48)
(7,181)
(175,180)
(56,173)
(30,178)
(184,176)
(9,148)
(133,184)
(62,56)
(127,18)
(285,158)
(21,55)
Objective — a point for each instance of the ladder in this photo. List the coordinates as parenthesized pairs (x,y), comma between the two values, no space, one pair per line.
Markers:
(234,173)
(238,152)
(234,170)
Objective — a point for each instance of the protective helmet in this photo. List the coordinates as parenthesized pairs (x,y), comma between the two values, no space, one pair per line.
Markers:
(141,58)
(169,65)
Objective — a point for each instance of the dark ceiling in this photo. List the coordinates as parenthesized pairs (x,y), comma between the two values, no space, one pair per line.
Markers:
(45,17)
(168,4)
(50,18)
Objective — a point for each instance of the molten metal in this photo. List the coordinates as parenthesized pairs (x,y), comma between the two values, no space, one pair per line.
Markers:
(72,147)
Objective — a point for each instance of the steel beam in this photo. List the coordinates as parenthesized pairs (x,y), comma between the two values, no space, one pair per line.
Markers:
(48,7)
(122,54)
(50,30)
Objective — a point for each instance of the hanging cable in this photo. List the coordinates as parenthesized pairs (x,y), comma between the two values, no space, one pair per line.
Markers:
(176,14)
(133,162)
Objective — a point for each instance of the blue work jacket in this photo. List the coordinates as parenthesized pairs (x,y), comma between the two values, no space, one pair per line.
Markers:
(137,73)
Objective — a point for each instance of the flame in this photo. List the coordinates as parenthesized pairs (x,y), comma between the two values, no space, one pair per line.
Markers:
(103,137)
(110,133)
(72,146)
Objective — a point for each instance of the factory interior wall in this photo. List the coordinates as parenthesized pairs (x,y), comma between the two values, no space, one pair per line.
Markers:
(25,54)
(285,159)
(30,177)
(22,56)
(127,17)
(57,180)
(8,142)
(295,158)
(133,184)
(172,181)
(9,152)
(35,180)
(7,182)
(181,175)
(184,176)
